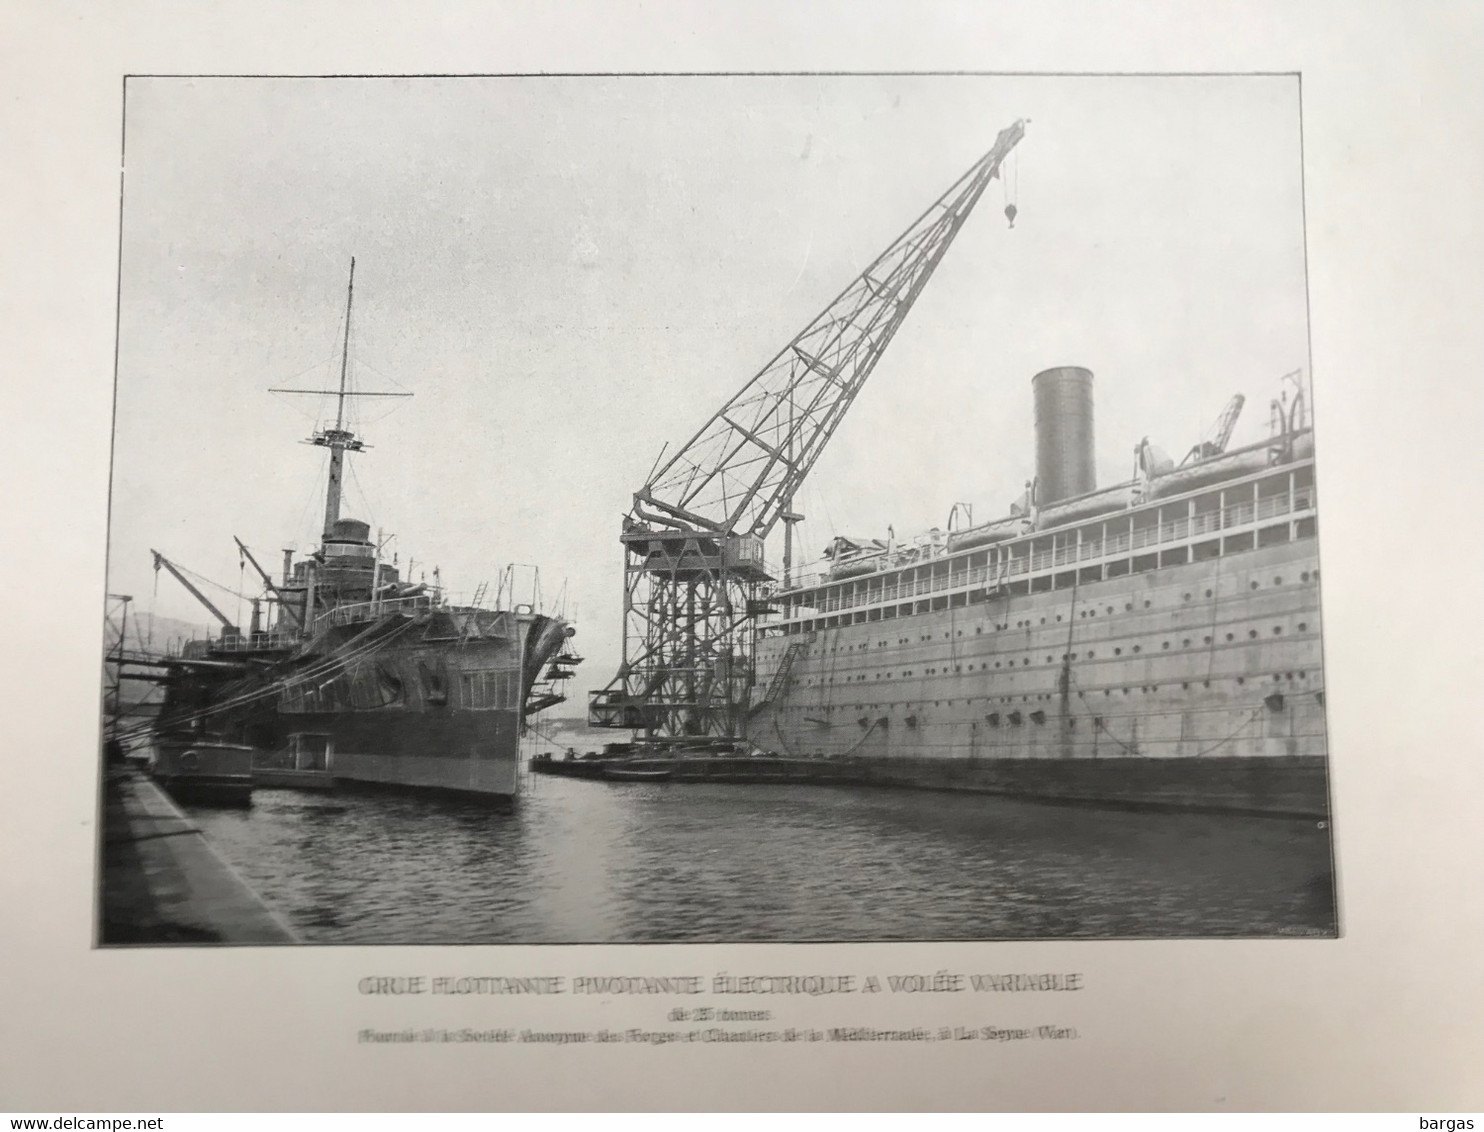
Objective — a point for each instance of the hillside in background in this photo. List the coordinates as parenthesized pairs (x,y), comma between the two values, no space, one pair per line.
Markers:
(156,634)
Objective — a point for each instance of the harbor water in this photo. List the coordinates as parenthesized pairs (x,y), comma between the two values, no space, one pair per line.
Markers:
(595,862)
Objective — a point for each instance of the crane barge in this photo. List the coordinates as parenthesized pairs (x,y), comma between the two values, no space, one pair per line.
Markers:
(1153,644)
(695,578)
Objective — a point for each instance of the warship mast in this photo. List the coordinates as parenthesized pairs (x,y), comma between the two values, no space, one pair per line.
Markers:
(339,438)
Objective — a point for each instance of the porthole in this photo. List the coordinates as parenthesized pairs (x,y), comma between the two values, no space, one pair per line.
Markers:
(1304,577)
(1129,607)
(1230,637)
(1206,640)
(1205,683)
(1184,597)
(1254,585)
(1208,593)
(1146,605)
(1303,626)
(1117,652)
(1241,679)
(1165,645)
(1185,644)
(1277,630)
(1252,634)
(1277,581)
(1138,648)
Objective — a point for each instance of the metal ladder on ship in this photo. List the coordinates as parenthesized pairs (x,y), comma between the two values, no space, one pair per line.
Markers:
(780,675)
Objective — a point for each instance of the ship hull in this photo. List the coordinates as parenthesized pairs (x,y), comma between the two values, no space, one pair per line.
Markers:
(464,752)
(426,703)
(1196,686)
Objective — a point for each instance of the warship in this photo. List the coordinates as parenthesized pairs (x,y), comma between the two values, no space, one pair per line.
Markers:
(351,673)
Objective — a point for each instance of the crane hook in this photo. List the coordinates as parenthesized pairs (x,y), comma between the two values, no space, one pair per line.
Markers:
(1010,211)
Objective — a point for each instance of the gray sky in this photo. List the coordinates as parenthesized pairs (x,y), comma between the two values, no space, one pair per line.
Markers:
(569,273)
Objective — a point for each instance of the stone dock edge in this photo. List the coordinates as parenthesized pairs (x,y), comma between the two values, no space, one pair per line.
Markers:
(163,883)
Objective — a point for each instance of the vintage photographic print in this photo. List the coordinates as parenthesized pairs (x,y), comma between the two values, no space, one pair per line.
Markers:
(713,508)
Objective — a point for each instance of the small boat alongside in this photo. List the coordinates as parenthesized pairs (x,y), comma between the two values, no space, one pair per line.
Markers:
(207,771)
(649,773)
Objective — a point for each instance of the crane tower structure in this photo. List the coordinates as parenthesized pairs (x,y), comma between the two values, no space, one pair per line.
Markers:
(694,571)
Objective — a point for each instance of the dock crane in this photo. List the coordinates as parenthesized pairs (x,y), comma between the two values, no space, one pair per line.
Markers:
(226,622)
(694,574)
(269,584)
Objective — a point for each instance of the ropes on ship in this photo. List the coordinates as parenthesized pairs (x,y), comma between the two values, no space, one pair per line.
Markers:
(1130,749)
(238,594)
(331,667)
(857,745)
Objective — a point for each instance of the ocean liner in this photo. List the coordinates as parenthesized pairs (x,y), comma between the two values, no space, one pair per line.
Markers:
(1153,643)
(356,674)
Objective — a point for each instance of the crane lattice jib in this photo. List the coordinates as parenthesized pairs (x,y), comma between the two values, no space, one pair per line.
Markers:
(737,474)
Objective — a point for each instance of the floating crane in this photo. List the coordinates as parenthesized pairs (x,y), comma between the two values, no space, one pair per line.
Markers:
(694,575)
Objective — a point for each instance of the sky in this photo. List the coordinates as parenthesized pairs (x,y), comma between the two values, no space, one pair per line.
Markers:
(570,273)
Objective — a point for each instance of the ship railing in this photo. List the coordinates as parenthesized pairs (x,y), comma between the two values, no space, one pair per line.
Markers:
(1111,546)
(1205,522)
(365,610)
(199,648)
(255,642)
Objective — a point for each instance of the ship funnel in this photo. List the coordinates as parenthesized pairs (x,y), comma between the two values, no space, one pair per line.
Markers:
(1064,438)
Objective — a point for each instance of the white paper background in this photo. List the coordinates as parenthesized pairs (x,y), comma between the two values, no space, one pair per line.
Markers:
(1389,1017)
